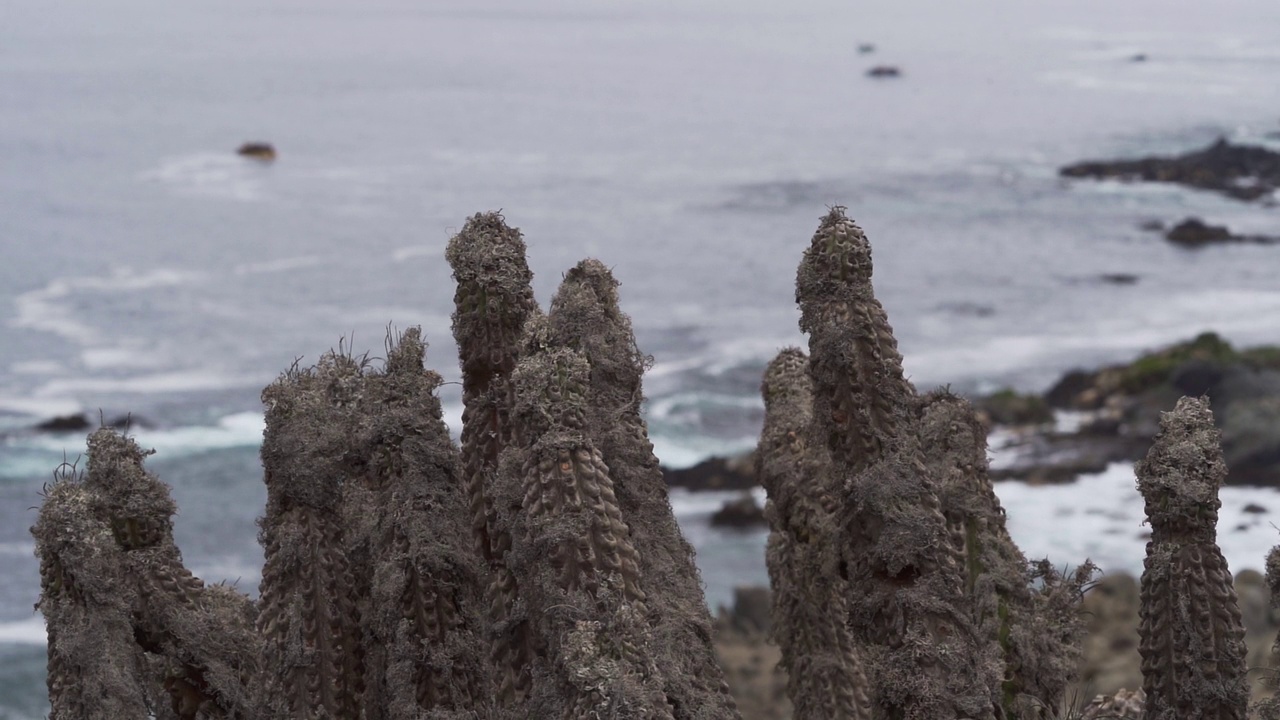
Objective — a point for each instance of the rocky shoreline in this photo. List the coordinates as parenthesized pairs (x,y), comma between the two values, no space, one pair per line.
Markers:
(1243,172)
(1091,418)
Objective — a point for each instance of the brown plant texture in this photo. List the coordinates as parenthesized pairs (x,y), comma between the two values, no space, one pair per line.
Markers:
(1192,637)
(537,571)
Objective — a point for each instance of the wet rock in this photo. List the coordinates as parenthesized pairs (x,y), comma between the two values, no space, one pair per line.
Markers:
(742,512)
(263,151)
(884,71)
(1138,57)
(1067,392)
(65,423)
(715,473)
(1254,509)
(1194,232)
(866,48)
(1244,172)
(1009,407)
(752,610)
(1151,225)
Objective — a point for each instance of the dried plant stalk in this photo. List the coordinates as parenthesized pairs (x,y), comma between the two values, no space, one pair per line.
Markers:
(577,569)
(493,301)
(308,615)
(585,315)
(1191,633)
(425,628)
(907,608)
(1038,632)
(825,678)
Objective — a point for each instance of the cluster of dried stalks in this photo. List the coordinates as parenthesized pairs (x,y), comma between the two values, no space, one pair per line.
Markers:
(537,571)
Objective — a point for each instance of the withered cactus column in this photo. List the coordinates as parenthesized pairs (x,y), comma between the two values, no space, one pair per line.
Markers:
(307,618)
(205,635)
(1191,634)
(425,624)
(907,607)
(494,300)
(1269,709)
(578,572)
(1038,632)
(585,315)
(825,678)
(188,649)
(96,671)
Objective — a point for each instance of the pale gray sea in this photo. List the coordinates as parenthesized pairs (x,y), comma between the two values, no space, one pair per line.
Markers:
(692,146)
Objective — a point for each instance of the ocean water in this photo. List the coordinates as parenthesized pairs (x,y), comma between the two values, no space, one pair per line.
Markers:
(146,269)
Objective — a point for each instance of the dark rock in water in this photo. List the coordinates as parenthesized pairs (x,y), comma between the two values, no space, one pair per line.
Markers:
(752,612)
(1151,225)
(1243,387)
(742,512)
(1008,407)
(715,473)
(65,423)
(884,71)
(866,48)
(258,151)
(1067,391)
(1194,232)
(1244,172)
(81,423)
(1139,57)
(1119,278)
(1254,509)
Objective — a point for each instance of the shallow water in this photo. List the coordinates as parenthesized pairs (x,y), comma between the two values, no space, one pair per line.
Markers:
(147,269)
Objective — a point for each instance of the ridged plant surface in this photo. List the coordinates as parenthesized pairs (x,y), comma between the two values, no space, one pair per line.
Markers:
(1038,631)
(907,607)
(585,315)
(493,301)
(576,567)
(164,640)
(308,619)
(825,678)
(425,623)
(1191,634)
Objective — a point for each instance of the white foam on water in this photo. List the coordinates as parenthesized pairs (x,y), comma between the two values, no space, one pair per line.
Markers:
(192,380)
(49,309)
(40,408)
(279,266)
(686,451)
(18,549)
(1101,516)
(220,175)
(37,367)
(413,251)
(236,430)
(119,358)
(24,632)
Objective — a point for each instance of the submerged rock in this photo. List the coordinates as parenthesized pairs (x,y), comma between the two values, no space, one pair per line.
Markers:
(1244,172)
(715,473)
(742,512)
(1194,232)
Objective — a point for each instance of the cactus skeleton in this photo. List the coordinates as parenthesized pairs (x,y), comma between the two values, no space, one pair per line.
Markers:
(538,571)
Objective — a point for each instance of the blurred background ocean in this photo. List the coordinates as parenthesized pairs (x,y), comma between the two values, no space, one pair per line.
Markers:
(145,268)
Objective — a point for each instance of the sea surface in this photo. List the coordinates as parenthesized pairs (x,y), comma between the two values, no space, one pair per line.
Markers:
(692,146)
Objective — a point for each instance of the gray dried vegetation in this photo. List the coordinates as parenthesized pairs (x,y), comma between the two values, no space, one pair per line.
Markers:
(537,571)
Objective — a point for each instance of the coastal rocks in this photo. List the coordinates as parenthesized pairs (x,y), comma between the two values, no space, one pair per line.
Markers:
(742,512)
(1244,172)
(1125,402)
(1008,407)
(261,151)
(715,473)
(1194,233)
(79,423)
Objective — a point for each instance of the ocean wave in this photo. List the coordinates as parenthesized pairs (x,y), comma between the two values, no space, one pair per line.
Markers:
(278,266)
(236,430)
(24,632)
(52,308)
(220,175)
